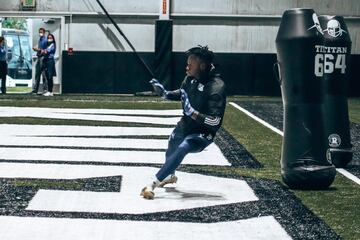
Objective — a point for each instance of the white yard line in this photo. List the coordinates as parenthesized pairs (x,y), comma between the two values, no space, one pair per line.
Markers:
(257,119)
(70,142)
(40,228)
(110,118)
(137,116)
(151,112)
(348,175)
(68,130)
(210,156)
(340,170)
(93,142)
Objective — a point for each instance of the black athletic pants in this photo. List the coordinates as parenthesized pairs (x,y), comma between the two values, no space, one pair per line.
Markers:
(3,73)
(39,71)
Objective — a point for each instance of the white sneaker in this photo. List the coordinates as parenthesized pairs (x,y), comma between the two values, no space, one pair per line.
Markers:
(48,94)
(168,180)
(148,191)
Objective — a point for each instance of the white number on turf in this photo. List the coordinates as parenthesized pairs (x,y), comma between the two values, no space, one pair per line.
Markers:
(195,190)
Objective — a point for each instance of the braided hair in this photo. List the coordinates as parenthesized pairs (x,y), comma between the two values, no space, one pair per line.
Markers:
(204,54)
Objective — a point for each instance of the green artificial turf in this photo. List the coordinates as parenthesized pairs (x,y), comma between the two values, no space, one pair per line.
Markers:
(263,144)
(18,89)
(86,101)
(338,206)
(354,110)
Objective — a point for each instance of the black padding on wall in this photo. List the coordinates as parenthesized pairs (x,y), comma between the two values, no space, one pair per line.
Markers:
(163,51)
(105,72)
(243,73)
(237,72)
(121,72)
(131,76)
(88,72)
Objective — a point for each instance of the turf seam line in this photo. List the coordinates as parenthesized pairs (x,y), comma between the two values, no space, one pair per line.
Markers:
(345,173)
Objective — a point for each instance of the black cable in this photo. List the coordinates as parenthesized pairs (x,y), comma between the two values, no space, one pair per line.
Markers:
(126,39)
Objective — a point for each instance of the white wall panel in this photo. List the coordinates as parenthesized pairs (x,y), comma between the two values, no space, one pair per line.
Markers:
(95,37)
(226,38)
(253,34)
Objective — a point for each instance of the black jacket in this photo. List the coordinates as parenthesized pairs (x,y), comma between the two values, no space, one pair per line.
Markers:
(208,97)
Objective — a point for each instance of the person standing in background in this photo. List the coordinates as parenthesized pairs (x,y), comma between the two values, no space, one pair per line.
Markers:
(49,64)
(42,45)
(3,64)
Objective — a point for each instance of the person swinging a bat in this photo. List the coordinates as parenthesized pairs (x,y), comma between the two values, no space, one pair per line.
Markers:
(203,98)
